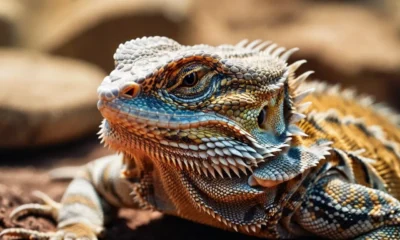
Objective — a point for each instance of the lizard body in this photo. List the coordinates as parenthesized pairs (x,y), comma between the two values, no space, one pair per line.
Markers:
(230,137)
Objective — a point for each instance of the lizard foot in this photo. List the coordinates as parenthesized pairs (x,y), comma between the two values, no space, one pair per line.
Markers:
(76,231)
(68,231)
(49,208)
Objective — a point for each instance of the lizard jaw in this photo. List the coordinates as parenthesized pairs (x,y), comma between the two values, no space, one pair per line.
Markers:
(221,155)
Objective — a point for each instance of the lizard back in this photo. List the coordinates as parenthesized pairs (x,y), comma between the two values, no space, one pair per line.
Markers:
(355,124)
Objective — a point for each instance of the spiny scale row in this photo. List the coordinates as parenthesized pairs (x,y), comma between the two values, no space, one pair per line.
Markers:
(267,47)
(365,100)
(212,165)
(375,131)
(206,168)
(256,227)
(297,98)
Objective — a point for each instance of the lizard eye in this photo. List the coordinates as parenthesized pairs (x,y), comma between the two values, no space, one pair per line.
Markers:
(190,80)
(262,117)
(192,83)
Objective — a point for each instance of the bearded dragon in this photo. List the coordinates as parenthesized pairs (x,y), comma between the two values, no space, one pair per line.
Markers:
(231,137)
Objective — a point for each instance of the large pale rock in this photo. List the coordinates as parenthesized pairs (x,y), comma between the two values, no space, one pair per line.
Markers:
(92,30)
(12,16)
(46,100)
(344,42)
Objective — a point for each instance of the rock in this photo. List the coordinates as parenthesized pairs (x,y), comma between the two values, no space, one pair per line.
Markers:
(46,100)
(93,30)
(343,42)
(12,14)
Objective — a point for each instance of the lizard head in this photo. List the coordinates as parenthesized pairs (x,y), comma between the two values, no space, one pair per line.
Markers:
(212,112)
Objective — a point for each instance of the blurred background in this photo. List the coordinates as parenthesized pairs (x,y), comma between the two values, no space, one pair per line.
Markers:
(54,54)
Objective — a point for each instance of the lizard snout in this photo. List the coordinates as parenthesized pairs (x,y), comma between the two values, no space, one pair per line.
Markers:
(108,91)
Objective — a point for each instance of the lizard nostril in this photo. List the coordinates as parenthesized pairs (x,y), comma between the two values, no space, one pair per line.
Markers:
(131,91)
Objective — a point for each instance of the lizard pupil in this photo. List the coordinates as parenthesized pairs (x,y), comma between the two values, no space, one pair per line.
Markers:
(261,117)
(190,79)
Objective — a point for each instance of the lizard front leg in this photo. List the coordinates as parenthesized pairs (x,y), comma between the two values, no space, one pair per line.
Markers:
(97,190)
(337,209)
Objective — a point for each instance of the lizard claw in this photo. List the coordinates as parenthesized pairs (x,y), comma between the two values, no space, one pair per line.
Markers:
(21,233)
(67,231)
(50,208)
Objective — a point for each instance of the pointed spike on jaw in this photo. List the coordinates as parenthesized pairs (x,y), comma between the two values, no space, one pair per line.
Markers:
(294,66)
(185,161)
(296,117)
(304,106)
(180,164)
(212,214)
(205,171)
(174,162)
(204,208)
(224,221)
(235,170)
(219,170)
(299,97)
(285,56)
(227,171)
(243,169)
(299,133)
(212,172)
(198,169)
(297,81)
(191,164)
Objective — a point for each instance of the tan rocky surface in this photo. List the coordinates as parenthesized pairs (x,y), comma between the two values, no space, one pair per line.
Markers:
(46,100)
(92,30)
(12,16)
(353,44)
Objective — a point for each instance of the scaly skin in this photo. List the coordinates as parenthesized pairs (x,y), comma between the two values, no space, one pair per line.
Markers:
(228,136)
